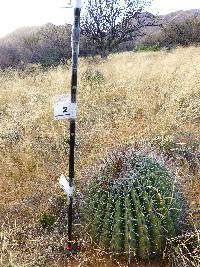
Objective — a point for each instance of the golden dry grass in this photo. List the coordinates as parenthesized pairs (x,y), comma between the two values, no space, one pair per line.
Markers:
(141,96)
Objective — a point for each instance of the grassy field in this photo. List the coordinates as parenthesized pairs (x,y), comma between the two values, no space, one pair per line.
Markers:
(138,98)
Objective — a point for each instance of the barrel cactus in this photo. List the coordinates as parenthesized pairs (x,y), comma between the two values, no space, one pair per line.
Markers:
(132,205)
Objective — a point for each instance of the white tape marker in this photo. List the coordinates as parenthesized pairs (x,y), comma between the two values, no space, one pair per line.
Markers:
(65,186)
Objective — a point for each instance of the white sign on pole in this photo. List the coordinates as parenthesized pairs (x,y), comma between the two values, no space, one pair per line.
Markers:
(63,108)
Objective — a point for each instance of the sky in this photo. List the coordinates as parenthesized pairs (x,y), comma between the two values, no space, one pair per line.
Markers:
(19,13)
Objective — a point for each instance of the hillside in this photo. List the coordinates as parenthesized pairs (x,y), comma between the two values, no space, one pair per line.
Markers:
(179,15)
(50,44)
(139,98)
(173,17)
(19,33)
(164,19)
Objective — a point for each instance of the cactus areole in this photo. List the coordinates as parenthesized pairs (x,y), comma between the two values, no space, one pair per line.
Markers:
(132,205)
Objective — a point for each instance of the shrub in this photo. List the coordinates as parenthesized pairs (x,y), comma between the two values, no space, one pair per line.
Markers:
(164,144)
(9,56)
(182,33)
(180,153)
(132,205)
(176,33)
(47,220)
(48,46)
(146,48)
(93,77)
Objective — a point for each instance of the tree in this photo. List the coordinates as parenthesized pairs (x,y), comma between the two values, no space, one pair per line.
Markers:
(184,33)
(50,45)
(108,23)
(9,56)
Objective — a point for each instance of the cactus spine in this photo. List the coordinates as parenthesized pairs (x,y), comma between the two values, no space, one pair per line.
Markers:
(135,209)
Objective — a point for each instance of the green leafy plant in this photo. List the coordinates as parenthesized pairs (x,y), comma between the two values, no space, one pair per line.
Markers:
(47,220)
(178,32)
(181,153)
(133,205)
(93,77)
(165,144)
(144,48)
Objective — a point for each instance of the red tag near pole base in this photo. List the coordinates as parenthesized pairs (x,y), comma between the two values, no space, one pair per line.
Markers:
(69,247)
(72,249)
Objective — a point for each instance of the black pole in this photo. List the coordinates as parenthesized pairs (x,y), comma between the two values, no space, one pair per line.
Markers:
(75,53)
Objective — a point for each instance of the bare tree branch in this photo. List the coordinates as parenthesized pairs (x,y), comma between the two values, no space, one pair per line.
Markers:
(108,23)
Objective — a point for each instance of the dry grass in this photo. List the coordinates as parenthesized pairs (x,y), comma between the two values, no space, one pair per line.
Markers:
(140,96)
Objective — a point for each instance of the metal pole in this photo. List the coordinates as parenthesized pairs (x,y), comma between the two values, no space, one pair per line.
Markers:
(75,53)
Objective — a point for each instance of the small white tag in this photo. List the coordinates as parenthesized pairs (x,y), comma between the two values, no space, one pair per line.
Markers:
(74,3)
(64,183)
(73,111)
(63,108)
(77,3)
